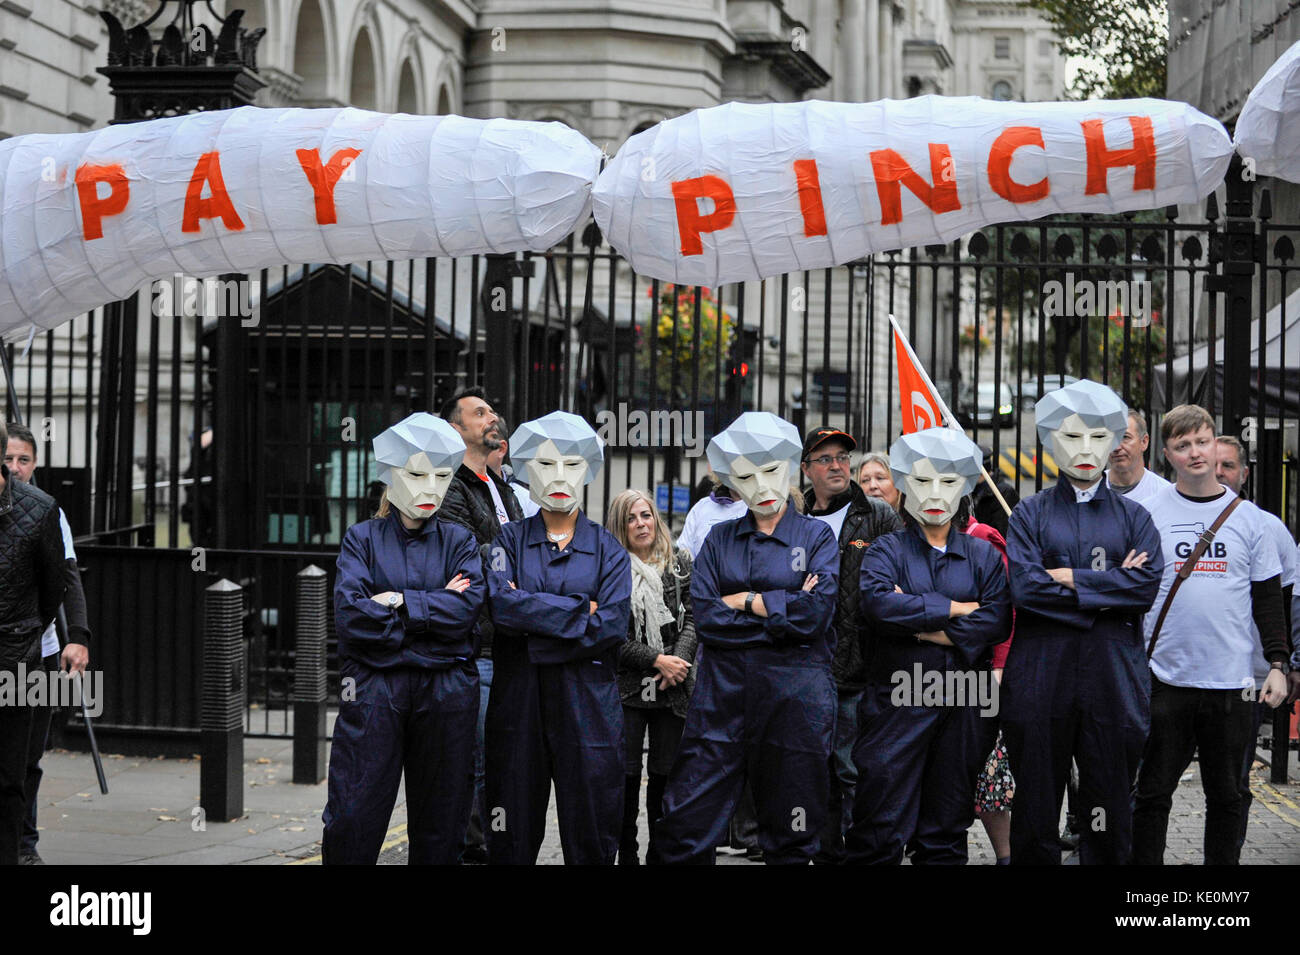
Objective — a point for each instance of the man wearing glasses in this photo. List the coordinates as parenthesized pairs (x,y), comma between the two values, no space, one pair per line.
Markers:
(857,520)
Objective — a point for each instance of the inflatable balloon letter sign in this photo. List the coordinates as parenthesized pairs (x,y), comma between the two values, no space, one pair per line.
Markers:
(89,218)
(746,191)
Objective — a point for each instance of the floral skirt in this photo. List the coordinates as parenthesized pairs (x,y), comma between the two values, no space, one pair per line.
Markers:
(995,788)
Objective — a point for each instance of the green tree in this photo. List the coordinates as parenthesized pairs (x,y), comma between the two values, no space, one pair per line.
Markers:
(1123,43)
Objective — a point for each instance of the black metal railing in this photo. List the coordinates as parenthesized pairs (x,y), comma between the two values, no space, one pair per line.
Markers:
(135,409)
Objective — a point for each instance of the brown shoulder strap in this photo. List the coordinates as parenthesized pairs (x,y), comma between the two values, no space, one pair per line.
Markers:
(1186,570)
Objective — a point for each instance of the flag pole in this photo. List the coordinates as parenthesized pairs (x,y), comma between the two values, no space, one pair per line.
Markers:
(950,420)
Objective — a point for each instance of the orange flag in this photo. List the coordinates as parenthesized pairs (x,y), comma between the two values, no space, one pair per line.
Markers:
(921,405)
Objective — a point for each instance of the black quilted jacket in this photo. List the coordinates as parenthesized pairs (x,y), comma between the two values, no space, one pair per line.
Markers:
(468,502)
(867,519)
(31,567)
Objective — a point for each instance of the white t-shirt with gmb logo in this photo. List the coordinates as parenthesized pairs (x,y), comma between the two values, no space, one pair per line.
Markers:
(1207,639)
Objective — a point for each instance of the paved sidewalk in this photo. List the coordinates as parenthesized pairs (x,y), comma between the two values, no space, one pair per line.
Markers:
(151,816)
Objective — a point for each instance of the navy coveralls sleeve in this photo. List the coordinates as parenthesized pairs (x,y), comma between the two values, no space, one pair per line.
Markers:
(1076,684)
(764,701)
(409,700)
(559,624)
(926,721)
(728,564)
(554,709)
(892,563)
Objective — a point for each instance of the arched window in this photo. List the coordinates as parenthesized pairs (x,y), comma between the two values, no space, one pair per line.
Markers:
(408,100)
(363,88)
(1002,91)
(310,57)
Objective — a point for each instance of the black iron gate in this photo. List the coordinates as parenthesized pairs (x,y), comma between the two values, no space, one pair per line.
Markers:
(136,409)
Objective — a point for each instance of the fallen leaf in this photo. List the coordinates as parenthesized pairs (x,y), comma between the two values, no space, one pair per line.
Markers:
(167,819)
(84,795)
(263,760)
(252,832)
(295,828)
(158,809)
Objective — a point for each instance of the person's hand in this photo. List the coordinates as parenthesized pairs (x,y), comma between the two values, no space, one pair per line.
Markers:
(593,607)
(672,670)
(75,658)
(1133,560)
(460,583)
(1275,689)
(383,598)
(897,589)
(1062,575)
(997,675)
(810,582)
(959,609)
(1293,681)
(934,636)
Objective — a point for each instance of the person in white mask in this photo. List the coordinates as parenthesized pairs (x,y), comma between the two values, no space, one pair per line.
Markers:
(560,590)
(1085,565)
(408,591)
(938,601)
(764,706)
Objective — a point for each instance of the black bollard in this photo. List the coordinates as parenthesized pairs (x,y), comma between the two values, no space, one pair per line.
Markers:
(309,677)
(221,773)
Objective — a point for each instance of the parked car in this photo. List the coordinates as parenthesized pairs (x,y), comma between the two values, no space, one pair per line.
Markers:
(996,412)
(1029,393)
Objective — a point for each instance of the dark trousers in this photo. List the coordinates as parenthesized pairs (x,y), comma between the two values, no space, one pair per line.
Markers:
(665,730)
(561,722)
(15,733)
(1186,720)
(917,768)
(762,714)
(404,719)
(36,744)
(474,837)
(843,776)
(1247,797)
(1082,697)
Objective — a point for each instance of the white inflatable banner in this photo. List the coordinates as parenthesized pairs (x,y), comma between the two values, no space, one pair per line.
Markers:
(740,191)
(1267,133)
(89,218)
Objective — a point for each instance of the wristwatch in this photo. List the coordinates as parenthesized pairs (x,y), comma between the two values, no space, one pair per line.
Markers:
(749,601)
(393,600)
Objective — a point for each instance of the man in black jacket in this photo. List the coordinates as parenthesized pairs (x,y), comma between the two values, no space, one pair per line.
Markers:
(857,521)
(20,458)
(478,499)
(31,589)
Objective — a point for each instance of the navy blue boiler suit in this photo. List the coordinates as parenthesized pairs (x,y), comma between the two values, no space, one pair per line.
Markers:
(554,710)
(1076,683)
(764,702)
(918,764)
(410,690)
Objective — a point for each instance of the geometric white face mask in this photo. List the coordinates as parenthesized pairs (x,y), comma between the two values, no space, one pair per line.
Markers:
(1080,451)
(554,479)
(417,488)
(764,488)
(933,496)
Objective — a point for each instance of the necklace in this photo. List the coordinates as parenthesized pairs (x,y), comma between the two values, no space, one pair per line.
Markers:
(558,537)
